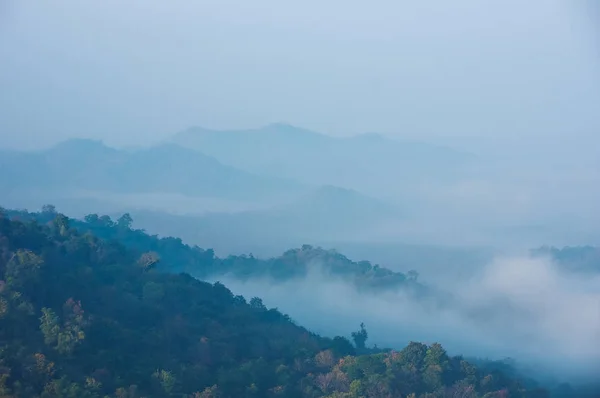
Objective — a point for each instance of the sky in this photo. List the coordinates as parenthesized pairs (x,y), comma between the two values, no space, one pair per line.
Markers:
(465,71)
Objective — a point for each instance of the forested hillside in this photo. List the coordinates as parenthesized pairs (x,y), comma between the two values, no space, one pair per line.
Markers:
(81,316)
(176,256)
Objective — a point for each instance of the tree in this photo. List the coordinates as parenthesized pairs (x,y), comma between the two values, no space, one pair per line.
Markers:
(166,379)
(360,337)
(106,221)
(341,346)
(414,355)
(149,260)
(49,209)
(92,219)
(5,392)
(412,275)
(257,303)
(325,359)
(64,338)
(61,224)
(23,269)
(436,355)
(125,221)
(50,326)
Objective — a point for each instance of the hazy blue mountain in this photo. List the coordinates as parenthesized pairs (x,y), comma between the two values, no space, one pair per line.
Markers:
(325,213)
(576,259)
(167,168)
(367,162)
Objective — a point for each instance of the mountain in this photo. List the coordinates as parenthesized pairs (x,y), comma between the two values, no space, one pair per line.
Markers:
(167,168)
(177,256)
(580,259)
(331,209)
(325,213)
(276,141)
(367,162)
(84,317)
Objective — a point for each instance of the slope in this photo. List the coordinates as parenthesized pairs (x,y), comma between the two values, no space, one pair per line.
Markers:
(167,168)
(83,317)
(324,213)
(368,162)
(179,257)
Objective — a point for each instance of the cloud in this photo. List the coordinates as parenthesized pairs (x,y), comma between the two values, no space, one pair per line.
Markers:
(520,307)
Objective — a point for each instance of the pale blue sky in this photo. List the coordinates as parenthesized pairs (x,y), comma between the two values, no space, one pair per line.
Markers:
(127,71)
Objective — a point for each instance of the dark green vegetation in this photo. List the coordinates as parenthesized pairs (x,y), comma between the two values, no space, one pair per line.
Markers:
(176,256)
(82,316)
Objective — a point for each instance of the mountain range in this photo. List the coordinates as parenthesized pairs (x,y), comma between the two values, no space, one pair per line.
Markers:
(367,162)
(272,161)
(324,213)
(167,168)
(278,183)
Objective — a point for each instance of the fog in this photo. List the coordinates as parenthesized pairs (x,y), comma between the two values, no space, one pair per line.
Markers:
(499,73)
(518,307)
(515,85)
(463,132)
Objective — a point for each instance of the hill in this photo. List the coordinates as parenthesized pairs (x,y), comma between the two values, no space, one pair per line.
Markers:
(325,213)
(584,259)
(85,317)
(167,168)
(202,263)
(368,162)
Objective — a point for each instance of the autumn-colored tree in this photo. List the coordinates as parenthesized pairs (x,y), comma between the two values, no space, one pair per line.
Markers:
(148,260)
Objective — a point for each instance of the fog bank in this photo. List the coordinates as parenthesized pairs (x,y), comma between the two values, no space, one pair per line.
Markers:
(517,307)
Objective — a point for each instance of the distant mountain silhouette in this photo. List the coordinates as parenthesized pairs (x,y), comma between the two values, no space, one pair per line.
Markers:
(325,213)
(332,202)
(368,162)
(87,164)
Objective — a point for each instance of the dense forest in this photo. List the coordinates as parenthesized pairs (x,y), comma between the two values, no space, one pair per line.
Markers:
(176,256)
(83,315)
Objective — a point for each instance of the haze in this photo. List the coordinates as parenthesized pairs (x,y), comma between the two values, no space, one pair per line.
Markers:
(467,72)
(513,307)
(445,137)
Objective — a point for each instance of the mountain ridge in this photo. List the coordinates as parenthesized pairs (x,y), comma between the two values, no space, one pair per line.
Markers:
(85,317)
(168,167)
(366,162)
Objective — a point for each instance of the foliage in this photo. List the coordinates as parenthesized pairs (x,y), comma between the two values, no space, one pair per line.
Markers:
(360,337)
(82,318)
(175,256)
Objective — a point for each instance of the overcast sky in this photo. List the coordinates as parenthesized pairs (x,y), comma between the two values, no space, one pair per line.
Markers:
(132,71)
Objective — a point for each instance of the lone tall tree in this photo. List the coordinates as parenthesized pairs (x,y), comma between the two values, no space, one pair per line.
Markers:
(360,337)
